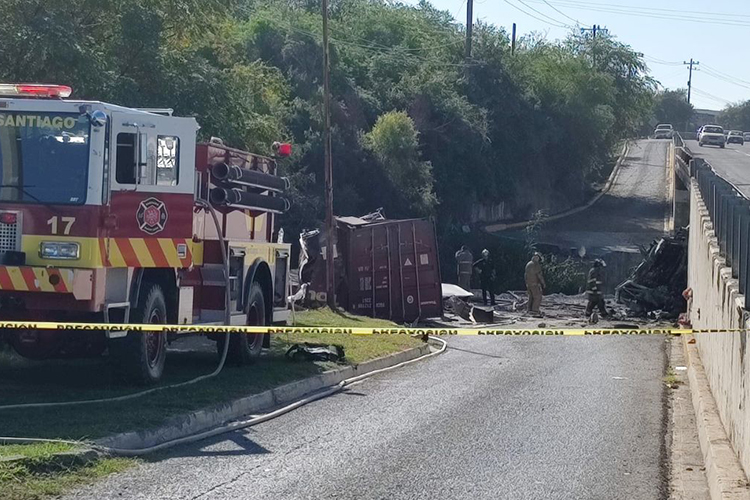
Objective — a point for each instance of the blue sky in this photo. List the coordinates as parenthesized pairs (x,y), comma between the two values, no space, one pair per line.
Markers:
(667,32)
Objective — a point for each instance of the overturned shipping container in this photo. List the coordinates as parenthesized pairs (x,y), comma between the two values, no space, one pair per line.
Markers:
(384,268)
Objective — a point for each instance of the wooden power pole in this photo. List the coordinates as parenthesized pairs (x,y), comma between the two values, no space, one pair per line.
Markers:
(690,65)
(330,231)
(469,27)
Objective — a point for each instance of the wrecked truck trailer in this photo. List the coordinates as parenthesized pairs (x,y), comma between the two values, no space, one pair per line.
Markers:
(383,268)
(658,282)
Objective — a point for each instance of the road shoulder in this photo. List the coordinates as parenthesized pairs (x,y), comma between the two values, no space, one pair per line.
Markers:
(687,477)
(726,479)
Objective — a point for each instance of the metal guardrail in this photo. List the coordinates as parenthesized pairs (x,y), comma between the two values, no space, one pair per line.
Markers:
(729,210)
(678,142)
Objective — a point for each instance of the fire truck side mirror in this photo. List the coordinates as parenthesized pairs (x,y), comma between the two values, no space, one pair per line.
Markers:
(98,118)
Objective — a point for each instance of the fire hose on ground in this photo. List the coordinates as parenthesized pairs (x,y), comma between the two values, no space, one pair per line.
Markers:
(233,426)
(213,432)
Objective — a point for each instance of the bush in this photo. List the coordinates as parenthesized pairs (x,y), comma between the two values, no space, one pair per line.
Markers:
(566,276)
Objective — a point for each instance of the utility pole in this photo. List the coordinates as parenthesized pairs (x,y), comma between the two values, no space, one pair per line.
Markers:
(330,237)
(690,77)
(513,41)
(469,26)
(594,29)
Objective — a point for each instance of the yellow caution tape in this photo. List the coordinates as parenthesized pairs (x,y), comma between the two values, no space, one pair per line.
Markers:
(311,330)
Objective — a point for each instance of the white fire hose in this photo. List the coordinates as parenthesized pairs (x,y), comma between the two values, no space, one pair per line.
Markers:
(233,426)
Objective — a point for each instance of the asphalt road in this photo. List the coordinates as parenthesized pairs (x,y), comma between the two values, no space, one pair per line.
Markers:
(632,213)
(732,162)
(495,418)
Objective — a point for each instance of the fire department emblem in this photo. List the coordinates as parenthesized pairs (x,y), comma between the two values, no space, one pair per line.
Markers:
(151,216)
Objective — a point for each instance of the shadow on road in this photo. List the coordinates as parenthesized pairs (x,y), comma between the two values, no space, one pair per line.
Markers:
(244,446)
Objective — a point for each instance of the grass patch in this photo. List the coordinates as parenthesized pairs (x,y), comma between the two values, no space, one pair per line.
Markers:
(23,482)
(26,381)
(671,379)
(41,451)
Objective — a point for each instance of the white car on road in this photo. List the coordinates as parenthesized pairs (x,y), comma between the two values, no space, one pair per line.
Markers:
(663,131)
(735,137)
(712,134)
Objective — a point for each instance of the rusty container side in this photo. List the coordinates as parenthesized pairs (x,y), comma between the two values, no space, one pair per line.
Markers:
(392,270)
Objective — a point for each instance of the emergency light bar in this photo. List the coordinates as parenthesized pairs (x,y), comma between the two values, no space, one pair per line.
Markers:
(34,90)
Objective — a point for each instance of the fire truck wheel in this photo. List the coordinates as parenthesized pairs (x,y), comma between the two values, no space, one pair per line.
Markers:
(140,357)
(244,348)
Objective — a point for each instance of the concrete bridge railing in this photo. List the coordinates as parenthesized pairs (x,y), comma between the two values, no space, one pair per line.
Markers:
(718,276)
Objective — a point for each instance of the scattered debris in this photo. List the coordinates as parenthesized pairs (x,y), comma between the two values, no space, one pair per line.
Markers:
(459,307)
(481,315)
(655,289)
(560,311)
(469,312)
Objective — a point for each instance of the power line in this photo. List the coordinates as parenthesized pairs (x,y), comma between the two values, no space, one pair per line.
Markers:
(533,16)
(634,12)
(647,9)
(561,12)
(661,61)
(726,75)
(380,49)
(727,80)
(710,96)
(542,13)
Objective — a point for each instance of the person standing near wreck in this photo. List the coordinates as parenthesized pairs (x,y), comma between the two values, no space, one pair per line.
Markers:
(534,283)
(594,291)
(486,276)
(464,267)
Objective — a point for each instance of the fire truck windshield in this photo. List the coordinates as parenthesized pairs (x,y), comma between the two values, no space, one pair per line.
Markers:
(44,157)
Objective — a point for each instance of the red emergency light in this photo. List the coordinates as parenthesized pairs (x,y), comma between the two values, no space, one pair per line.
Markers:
(8,218)
(282,149)
(34,90)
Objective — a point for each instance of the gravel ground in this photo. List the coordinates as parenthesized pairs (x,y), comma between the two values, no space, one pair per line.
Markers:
(515,418)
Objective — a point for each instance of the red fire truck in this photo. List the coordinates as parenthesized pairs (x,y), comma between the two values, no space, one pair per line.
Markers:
(116,215)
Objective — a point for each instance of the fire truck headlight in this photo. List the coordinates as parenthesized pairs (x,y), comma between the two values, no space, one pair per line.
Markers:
(59,250)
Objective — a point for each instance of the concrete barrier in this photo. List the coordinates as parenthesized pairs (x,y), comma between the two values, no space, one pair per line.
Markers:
(718,304)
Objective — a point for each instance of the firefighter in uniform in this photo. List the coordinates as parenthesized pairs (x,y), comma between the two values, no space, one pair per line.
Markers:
(534,283)
(486,276)
(594,291)
(464,268)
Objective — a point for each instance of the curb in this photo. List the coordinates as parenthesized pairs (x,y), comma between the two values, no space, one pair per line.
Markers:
(726,479)
(202,420)
(494,228)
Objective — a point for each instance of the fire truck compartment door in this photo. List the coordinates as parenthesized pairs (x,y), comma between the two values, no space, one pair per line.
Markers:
(152,153)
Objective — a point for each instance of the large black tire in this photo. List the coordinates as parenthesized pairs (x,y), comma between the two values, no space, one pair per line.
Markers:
(140,357)
(244,348)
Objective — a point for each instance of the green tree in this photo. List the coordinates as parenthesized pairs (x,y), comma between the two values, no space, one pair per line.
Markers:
(533,131)
(671,106)
(736,116)
(393,141)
